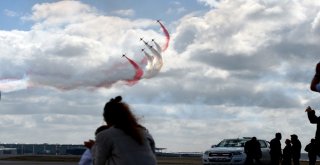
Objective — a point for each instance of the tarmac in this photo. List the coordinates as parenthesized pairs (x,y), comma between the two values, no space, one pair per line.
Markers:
(2,162)
(21,162)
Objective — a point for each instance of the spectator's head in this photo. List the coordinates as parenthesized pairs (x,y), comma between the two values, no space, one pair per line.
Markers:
(117,113)
(254,138)
(294,137)
(288,141)
(313,140)
(278,135)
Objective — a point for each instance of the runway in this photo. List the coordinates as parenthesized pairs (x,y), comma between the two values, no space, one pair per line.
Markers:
(2,162)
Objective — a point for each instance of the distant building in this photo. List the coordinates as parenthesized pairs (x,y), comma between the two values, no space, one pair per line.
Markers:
(45,149)
(7,151)
(48,149)
(160,150)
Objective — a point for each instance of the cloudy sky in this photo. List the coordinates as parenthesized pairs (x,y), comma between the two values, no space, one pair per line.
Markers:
(233,68)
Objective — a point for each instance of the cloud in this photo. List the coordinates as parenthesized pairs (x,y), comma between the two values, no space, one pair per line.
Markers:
(77,49)
(126,12)
(316,24)
(10,13)
(178,10)
(50,13)
(211,3)
(243,65)
(266,52)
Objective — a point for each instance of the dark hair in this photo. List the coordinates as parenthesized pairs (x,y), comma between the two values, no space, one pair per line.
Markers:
(118,114)
(294,137)
(288,141)
(278,135)
(313,140)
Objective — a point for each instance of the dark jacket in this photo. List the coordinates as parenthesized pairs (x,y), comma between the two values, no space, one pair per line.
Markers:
(275,148)
(253,149)
(315,120)
(311,149)
(287,155)
(296,149)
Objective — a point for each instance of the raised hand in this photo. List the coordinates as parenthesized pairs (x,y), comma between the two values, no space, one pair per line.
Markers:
(89,143)
(309,109)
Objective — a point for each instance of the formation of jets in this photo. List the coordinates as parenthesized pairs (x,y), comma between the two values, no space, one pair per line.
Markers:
(145,42)
(123,55)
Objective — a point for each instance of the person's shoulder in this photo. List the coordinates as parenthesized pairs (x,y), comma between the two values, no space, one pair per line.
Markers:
(106,131)
(114,132)
(275,141)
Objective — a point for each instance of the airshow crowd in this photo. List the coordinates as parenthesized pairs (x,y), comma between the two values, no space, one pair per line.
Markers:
(123,141)
(292,150)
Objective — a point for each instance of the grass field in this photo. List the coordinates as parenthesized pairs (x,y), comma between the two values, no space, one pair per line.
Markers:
(161,160)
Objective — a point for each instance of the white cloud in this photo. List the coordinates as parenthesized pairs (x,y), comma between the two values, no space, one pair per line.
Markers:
(250,41)
(244,65)
(59,44)
(52,11)
(10,13)
(178,10)
(316,24)
(211,3)
(126,12)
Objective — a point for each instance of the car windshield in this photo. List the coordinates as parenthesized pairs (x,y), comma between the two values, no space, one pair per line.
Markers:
(232,143)
(237,143)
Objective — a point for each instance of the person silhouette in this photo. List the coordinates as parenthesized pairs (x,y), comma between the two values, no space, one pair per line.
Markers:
(315,87)
(275,149)
(315,120)
(296,149)
(312,152)
(126,142)
(287,153)
(87,157)
(253,151)
(315,83)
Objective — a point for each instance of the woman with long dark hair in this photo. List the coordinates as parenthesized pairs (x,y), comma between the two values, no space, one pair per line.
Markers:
(126,142)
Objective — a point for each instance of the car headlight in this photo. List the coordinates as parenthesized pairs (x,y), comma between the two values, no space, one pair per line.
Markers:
(206,153)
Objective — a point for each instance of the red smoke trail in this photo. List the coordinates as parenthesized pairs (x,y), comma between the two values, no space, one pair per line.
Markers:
(165,31)
(139,71)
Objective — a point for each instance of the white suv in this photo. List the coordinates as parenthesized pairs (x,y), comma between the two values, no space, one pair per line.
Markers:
(231,151)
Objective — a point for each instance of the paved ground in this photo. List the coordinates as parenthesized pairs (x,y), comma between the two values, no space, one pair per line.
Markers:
(75,163)
(2,162)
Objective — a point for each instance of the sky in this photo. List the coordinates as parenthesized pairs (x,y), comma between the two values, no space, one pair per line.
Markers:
(233,68)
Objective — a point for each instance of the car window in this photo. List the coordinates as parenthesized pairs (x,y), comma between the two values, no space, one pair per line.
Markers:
(263,144)
(238,143)
(232,143)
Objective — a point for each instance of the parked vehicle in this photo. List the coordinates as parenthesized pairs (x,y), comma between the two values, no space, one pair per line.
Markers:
(231,151)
